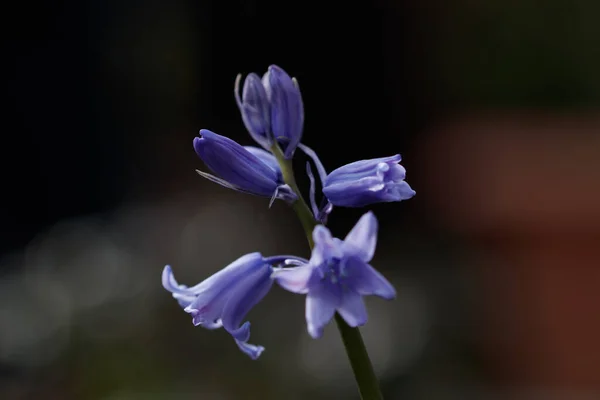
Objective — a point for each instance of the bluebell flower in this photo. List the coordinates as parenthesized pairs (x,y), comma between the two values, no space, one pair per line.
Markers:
(245,169)
(224,299)
(337,275)
(272,109)
(368,181)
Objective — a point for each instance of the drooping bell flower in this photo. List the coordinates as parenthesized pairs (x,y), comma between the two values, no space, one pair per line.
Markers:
(224,299)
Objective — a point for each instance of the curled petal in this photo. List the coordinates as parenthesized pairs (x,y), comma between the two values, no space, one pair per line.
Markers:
(169,282)
(181,293)
(312,192)
(313,156)
(241,337)
(322,213)
(363,237)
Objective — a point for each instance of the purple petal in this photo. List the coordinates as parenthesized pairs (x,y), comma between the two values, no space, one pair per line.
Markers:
(355,192)
(241,336)
(360,169)
(396,173)
(326,247)
(367,181)
(287,109)
(234,164)
(295,279)
(243,297)
(352,309)
(230,274)
(184,295)
(214,293)
(365,280)
(320,307)
(254,108)
(252,350)
(184,300)
(362,239)
(169,282)
(264,156)
(400,191)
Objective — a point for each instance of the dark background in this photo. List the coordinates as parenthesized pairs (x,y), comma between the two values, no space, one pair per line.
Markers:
(493,107)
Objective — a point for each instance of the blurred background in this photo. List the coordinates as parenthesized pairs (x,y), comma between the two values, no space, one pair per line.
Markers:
(493,106)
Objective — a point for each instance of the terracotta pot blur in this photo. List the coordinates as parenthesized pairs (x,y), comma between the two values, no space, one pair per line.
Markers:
(524,191)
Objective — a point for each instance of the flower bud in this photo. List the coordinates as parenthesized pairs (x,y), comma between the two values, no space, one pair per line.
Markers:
(239,169)
(255,109)
(368,181)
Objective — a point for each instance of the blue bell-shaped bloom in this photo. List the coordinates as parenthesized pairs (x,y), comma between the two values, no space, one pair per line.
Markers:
(224,299)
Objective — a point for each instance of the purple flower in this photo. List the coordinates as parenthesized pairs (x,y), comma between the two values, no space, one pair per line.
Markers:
(245,169)
(272,109)
(337,276)
(224,299)
(368,181)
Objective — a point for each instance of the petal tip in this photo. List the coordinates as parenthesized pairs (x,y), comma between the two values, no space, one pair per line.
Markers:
(168,280)
(206,134)
(321,233)
(315,332)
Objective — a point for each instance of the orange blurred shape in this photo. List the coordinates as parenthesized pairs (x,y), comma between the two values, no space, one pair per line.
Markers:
(524,190)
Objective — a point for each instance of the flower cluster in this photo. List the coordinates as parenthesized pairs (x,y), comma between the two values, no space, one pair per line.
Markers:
(338,273)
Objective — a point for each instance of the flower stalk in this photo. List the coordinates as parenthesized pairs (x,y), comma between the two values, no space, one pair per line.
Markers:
(360,362)
(299,206)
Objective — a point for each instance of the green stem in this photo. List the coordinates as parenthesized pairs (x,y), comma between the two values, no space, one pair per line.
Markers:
(359,360)
(300,207)
(364,375)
